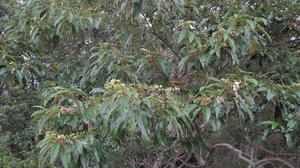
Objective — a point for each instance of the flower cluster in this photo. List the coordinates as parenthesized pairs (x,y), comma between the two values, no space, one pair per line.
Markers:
(63,139)
(116,86)
(141,89)
(188,22)
(203,101)
(75,137)
(236,85)
(159,88)
(112,84)
(224,80)
(144,50)
(163,96)
(104,45)
(222,30)
(220,99)
(56,137)
(173,89)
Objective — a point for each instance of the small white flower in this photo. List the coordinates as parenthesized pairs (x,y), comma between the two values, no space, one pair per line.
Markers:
(236,86)
(220,99)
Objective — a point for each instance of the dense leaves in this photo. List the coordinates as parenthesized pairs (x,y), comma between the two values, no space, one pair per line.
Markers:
(164,81)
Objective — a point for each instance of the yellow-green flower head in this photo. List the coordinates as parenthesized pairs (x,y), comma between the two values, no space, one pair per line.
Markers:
(224,80)
(144,50)
(104,45)
(191,22)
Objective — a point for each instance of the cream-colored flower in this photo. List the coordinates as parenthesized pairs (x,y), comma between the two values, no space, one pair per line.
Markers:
(191,22)
(104,45)
(224,80)
(220,99)
(236,86)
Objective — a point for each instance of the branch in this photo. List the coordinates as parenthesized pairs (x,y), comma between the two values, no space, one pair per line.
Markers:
(273,153)
(253,155)
(246,157)
(157,162)
(269,160)
(241,155)
(153,31)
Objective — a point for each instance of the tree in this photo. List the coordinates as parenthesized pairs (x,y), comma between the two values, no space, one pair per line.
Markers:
(168,82)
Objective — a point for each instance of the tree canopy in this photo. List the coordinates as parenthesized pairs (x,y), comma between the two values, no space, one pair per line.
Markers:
(150,83)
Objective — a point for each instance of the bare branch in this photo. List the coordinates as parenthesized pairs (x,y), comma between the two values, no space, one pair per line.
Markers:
(248,158)
(269,160)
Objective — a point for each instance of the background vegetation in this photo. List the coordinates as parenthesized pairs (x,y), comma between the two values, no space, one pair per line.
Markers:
(149,83)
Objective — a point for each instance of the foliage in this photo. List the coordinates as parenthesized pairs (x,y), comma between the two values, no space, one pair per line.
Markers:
(178,78)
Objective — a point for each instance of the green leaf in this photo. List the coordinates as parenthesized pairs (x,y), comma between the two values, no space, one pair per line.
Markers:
(216,124)
(58,20)
(84,161)
(19,76)
(137,8)
(265,134)
(297,93)
(41,124)
(43,156)
(207,114)
(181,35)
(203,60)
(214,79)
(292,124)
(96,154)
(3,71)
(79,146)
(54,152)
(37,112)
(267,123)
(142,125)
(289,140)
(217,50)
(274,125)
(192,36)
(183,61)
(270,94)
(65,157)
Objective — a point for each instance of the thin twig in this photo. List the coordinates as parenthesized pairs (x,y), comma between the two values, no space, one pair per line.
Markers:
(253,155)
(273,153)
(157,162)
(269,160)
(246,157)
(153,31)
(243,156)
